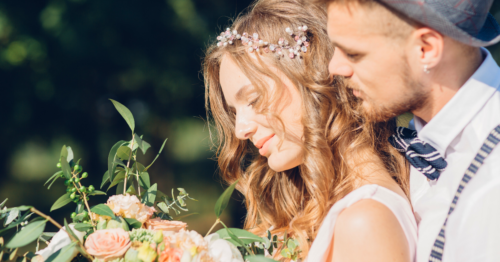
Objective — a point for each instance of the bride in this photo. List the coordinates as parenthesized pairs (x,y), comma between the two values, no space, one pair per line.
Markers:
(306,161)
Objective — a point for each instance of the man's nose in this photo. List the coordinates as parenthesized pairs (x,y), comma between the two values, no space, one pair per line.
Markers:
(339,65)
(245,127)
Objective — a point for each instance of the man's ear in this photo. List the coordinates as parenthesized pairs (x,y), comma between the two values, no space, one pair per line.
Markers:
(428,45)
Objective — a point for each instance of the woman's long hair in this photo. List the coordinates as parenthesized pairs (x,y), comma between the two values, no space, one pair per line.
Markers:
(336,139)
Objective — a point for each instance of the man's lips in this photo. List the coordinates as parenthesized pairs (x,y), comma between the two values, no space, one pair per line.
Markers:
(262,141)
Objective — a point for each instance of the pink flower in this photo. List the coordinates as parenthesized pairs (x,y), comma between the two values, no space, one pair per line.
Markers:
(108,244)
(171,255)
(165,225)
(129,206)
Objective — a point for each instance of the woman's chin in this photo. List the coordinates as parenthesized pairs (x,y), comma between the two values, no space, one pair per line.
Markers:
(278,164)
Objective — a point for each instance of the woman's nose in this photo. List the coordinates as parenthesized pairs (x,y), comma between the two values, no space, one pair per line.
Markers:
(339,66)
(245,127)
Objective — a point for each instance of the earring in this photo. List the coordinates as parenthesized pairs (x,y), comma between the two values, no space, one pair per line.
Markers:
(426,69)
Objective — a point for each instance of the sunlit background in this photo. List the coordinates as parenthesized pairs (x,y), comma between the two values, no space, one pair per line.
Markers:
(60,62)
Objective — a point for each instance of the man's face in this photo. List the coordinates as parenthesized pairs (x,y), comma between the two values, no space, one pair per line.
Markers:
(376,66)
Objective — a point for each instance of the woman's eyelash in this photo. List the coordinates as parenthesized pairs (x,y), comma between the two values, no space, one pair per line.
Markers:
(253,102)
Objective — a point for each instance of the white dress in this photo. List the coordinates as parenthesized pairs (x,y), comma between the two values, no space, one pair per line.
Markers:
(396,203)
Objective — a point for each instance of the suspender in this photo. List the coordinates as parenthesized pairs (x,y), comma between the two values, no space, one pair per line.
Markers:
(488,146)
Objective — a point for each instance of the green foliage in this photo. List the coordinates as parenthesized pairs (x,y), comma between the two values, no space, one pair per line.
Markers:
(27,235)
(157,155)
(258,258)
(244,236)
(126,114)
(62,255)
(133,223)
(150,196)
(223,200)
(83,227)
(61,201)
(112,158)
(103,210)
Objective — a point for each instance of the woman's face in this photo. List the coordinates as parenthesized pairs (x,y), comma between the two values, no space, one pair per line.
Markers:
(241,96)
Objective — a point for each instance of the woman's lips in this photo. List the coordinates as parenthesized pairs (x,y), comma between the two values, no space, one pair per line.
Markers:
(263,144)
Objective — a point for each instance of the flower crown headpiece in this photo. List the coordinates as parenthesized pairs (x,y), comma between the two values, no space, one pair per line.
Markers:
(254,43)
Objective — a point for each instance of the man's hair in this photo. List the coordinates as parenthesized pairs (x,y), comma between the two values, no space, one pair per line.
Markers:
(392,23)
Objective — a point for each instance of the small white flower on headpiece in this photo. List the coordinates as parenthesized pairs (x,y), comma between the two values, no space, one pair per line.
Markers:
(254,43)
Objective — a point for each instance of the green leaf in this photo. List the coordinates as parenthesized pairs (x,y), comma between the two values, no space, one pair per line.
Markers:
(118,178)
(131,189)
(112,158)
(105,179)
(143,145)
(126,114)
(103,210)
(97,192)
(150,196)
(245,236)
(163,207)
(119,187)
(258,258)
(144,180)
(62,201)
(3,203)
(70,156)
(68,229)
(223,200)
(13,214)
(161,149)
(83,227)
(62,255)
(124,153)
(134,223)
(27,235)
(52,177)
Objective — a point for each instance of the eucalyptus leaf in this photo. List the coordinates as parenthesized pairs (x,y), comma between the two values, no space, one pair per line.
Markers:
(103,210)
(119,187)
(143,145)
(53,177)
(223,200)
(157,155)
(150,196)
(245,236)
(131,189)
(27,235)
(70,154)
(66,168)
(62,201)
(163,207)
(126,114)
(144,180)
(134,223)
(112,158)
(3,203)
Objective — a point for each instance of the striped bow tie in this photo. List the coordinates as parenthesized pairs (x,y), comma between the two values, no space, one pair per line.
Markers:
(425,158)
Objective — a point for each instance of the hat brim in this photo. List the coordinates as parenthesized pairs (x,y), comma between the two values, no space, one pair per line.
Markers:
(424,14)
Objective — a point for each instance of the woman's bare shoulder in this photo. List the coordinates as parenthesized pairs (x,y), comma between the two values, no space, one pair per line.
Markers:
(369,231)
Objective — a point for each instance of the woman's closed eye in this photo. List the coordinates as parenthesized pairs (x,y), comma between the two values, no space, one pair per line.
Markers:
(253,102)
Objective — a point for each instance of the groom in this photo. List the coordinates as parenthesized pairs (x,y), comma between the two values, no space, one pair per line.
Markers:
(428,57)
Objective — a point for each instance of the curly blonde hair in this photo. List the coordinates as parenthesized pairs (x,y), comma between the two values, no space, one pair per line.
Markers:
(337,141)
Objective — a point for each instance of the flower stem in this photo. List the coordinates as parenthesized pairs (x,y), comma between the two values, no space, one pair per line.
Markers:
(84,199)
(84,253)
(128,164)
(216,222)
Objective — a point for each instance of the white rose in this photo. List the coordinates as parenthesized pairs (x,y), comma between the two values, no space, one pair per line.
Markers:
(222,250)
(60,240)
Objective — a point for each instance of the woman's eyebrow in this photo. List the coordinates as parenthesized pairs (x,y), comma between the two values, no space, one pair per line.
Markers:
(240,95)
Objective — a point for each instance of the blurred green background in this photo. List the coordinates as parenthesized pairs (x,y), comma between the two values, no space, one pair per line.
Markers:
(60,61)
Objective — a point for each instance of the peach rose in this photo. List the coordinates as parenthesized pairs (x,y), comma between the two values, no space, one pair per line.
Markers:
(165,225)
(108,244)
(171,255)
(130,206)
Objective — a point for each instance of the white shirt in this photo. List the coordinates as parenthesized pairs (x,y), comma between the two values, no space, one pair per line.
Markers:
(457,132)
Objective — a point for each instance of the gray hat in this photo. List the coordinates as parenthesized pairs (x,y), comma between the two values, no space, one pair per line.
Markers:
(467,21)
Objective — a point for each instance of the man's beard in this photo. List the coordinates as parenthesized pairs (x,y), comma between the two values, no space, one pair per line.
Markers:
(413,99)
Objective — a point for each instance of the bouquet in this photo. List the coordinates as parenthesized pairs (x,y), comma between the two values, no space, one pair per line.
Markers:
(134,225)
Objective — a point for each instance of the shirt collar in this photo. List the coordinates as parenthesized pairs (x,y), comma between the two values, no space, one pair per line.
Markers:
(462,108)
